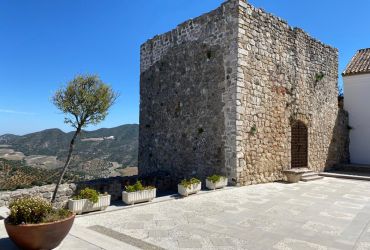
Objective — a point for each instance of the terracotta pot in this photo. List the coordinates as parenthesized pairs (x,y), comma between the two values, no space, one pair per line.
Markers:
(39,236)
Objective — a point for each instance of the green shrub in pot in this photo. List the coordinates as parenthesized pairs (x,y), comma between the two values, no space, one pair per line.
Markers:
(137,187)
(88,200)
(34,210)
(33,219)
(89,194)
(216,181)
(187,183)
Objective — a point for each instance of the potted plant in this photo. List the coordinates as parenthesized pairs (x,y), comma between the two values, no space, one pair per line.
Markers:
(33,223)
(88,200)
(138,193)
(216,181)
(187,187)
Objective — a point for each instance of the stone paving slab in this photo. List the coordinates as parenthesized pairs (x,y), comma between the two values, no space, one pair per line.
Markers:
(79,238)
(325,214)
(124,238)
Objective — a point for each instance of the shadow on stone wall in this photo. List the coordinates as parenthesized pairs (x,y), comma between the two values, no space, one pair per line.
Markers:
(113,186)
(338,151)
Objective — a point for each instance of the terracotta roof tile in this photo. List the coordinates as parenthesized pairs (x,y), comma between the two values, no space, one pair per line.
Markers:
(360,63)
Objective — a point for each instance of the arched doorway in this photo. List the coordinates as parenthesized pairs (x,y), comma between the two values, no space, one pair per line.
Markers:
(299,145)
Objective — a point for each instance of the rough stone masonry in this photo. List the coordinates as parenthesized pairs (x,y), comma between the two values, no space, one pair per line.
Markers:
(239,92)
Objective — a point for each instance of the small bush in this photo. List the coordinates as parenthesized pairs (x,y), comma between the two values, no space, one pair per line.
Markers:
(319,76)
(137,187)
(187,183)
(34,210)
(88,193)
(215,178)
(57,214)
(194,181)
(253,129)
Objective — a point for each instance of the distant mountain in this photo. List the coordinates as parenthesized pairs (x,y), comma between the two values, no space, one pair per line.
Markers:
(119,144)
(4,139)
(46,142)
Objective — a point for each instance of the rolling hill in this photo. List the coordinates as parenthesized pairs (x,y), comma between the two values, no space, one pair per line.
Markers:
(99,153)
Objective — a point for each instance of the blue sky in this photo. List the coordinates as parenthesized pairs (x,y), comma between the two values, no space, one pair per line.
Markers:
(45,43)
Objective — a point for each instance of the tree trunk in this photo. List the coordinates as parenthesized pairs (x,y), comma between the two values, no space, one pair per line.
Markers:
(71,146)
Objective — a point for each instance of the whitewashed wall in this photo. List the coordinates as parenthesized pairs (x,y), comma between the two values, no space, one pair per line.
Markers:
(357,103)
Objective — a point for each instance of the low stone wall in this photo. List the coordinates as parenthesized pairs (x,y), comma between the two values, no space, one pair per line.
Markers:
(113,186)
(65,191)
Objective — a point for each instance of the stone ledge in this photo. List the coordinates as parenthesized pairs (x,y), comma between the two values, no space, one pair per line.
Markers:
(294,175)
(345,176)
(297,170)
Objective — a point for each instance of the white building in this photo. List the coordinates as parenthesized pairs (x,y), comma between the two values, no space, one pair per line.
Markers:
(356,78)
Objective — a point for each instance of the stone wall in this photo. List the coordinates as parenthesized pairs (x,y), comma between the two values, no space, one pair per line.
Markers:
(284,76)
(220,93)
(113,186)
(187,89)
(65,191)
(339,146)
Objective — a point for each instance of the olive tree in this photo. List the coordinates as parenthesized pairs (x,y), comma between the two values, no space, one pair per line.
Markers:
(85,101)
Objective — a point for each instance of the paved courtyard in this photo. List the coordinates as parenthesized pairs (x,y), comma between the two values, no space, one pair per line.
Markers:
(324,214)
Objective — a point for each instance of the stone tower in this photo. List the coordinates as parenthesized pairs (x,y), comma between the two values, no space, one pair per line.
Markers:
(238,92)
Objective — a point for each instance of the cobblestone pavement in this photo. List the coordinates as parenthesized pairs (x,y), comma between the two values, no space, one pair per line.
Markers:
(325,214)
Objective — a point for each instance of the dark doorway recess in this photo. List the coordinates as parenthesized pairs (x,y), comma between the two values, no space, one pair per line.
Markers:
(299,147)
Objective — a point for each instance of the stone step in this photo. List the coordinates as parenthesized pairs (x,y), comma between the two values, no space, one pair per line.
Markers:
(301,174)
(309,174)
(312,178)
(352,168)
(346,176)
